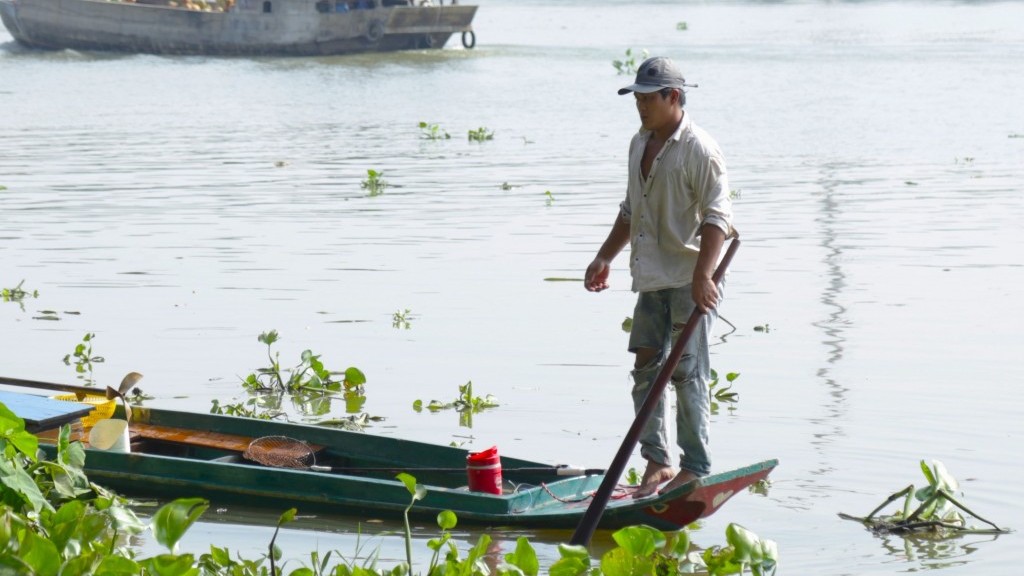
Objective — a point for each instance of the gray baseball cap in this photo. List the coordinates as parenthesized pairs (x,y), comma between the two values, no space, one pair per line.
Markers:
(654,74)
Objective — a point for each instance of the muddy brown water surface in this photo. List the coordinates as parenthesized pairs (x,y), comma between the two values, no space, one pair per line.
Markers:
(182,206)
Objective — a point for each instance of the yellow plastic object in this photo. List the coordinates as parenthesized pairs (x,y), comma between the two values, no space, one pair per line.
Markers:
(102,408)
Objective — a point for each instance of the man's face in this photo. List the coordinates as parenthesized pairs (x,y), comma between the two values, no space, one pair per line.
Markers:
(656,111)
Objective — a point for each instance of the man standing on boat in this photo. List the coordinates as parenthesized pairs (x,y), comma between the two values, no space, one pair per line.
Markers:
(676,217)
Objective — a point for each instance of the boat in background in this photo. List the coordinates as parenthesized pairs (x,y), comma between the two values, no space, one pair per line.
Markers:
(238,27)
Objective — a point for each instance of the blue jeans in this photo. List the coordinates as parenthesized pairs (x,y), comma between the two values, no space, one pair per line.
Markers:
(658,320)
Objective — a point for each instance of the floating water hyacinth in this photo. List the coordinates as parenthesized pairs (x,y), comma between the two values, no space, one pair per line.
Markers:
(939,510)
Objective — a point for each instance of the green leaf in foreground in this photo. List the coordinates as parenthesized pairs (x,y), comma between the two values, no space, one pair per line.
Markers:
(639,540)
(524,557)
(574,561)
(172,520)
(39,554)
(12,430)
(171,565)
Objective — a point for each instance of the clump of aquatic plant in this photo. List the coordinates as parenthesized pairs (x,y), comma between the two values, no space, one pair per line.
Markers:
(549,198)
(82,358)
(466,401)
(50,315)
(933,508)
(762,328)
(627,324)
(374,183)
(466,404)
(682,26)
(353,422)
(723,394)
(646,550)
(401,319)
(53,520)
(481,134)
(17,294)
(433,132)
(760,487)
(628,65)
(473,563)
(745,550)
(309,375)
(310,386)
(254,407)
(638,550)
(219,562)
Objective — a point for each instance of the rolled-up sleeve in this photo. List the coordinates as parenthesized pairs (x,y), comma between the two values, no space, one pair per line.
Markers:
(711,181)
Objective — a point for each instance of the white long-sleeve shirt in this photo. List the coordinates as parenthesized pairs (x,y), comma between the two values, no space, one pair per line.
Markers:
(687,188)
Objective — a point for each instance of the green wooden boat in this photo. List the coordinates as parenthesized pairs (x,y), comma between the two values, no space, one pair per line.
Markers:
(176,454)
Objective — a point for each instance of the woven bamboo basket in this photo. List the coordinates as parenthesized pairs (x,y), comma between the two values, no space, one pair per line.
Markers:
(102,407)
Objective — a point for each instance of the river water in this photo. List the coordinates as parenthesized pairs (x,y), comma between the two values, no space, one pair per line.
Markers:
(178,207)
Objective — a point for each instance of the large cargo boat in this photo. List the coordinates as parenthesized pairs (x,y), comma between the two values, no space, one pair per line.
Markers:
(238,27)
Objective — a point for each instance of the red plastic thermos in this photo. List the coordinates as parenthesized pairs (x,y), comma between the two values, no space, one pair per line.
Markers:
(484,471)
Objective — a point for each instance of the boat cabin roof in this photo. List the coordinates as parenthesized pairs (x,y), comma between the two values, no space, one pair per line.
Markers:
(42,413)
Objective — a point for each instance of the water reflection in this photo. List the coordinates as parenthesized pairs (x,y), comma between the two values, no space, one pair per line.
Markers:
(923,552)
(829,425)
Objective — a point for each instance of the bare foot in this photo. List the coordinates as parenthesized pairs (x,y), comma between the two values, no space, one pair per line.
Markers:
(654,475)
(682,478)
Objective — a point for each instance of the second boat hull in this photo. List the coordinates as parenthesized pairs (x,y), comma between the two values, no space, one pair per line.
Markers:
(290,28)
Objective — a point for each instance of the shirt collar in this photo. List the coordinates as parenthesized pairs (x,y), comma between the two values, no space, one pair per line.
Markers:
(684,125)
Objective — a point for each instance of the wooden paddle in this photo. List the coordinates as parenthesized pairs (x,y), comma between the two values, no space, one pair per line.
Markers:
(127,382)
(591,518)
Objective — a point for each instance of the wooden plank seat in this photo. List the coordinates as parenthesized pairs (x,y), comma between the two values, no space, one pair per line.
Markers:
(229,442)
(204,438)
